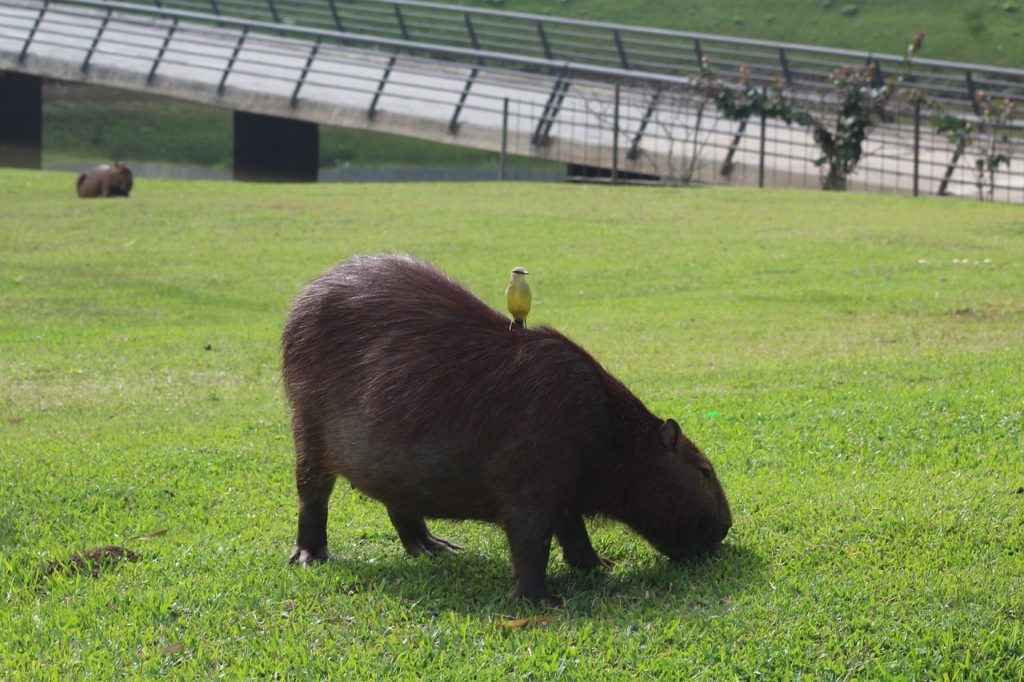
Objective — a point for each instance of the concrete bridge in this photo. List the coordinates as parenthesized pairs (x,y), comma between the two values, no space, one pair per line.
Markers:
(280,87)
(282,81)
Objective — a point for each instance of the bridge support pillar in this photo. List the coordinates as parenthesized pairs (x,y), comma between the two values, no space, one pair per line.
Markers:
(21,120)
(271,149)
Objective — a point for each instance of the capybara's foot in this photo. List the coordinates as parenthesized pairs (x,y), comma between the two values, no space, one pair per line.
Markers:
(305,557)
(416,538)
(591,563)
(430,545)
(537,597)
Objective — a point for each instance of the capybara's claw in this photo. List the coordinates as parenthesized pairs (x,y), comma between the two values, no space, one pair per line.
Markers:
(304,557)
(431,546)
(441,545)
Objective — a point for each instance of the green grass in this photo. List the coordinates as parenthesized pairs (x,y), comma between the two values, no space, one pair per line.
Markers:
(981,31)
(852,364)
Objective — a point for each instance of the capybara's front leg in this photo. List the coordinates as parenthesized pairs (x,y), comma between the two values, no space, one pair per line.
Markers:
(530,547)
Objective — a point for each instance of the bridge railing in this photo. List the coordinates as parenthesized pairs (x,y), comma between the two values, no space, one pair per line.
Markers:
(625,47)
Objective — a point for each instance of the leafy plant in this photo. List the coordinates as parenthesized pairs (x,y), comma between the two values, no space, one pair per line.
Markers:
(861,97)
(982,133)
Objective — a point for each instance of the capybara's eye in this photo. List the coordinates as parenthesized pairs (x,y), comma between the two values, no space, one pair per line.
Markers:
(706,472)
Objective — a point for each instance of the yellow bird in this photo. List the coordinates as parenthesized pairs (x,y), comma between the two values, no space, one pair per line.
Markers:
(518,297)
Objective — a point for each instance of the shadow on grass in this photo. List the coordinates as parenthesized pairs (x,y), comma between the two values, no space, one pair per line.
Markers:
(473,582)
(8,536)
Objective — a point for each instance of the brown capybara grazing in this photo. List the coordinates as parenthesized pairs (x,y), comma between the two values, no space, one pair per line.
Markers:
(106,181)
(419,394)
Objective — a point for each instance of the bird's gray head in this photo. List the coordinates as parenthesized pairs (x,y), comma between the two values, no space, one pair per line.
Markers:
(520,270)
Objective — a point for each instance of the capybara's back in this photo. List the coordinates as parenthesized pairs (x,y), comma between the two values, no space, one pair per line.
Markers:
(418,393)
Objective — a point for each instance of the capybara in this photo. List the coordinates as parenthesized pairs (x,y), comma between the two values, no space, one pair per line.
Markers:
(106,181)
(418,393)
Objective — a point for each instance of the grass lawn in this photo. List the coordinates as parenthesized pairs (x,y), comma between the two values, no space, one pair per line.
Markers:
(852,364)
(980,31)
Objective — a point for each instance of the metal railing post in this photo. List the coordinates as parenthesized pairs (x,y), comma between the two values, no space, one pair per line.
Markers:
(32,33)
(453,124)
(972,93)
(917,146)
(634,148)
(541,135)
(163,50)
(786,74)
(305,72)
(727,165)
(950,169)
(96,40)
(504,140)
(471,31)
(615,136)
(334,14)
(760,151)
(400,18)
(544,40)
(216,10)
(622,49)
(380,87)
(231,60)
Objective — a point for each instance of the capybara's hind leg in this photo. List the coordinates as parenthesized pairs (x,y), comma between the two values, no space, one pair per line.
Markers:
(576,548)
(314,483)
(311,545)
(416,538)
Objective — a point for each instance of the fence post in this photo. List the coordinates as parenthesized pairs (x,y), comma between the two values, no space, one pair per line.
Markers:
(216,10)
(917,145)
(760,151)
(504,140)
(337,17)
(615,137)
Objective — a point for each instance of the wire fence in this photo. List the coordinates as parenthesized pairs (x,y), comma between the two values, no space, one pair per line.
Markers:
(608,121)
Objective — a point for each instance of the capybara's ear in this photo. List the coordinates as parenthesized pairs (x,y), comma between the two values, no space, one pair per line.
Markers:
(670,434)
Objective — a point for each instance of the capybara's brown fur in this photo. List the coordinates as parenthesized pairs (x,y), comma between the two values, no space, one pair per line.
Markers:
(419,394)
(105,181)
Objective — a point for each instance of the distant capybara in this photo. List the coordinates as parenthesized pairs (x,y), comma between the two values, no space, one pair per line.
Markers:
(106,181)
(418,393)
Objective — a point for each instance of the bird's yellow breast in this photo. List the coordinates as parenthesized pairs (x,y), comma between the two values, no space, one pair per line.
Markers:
(518,298)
